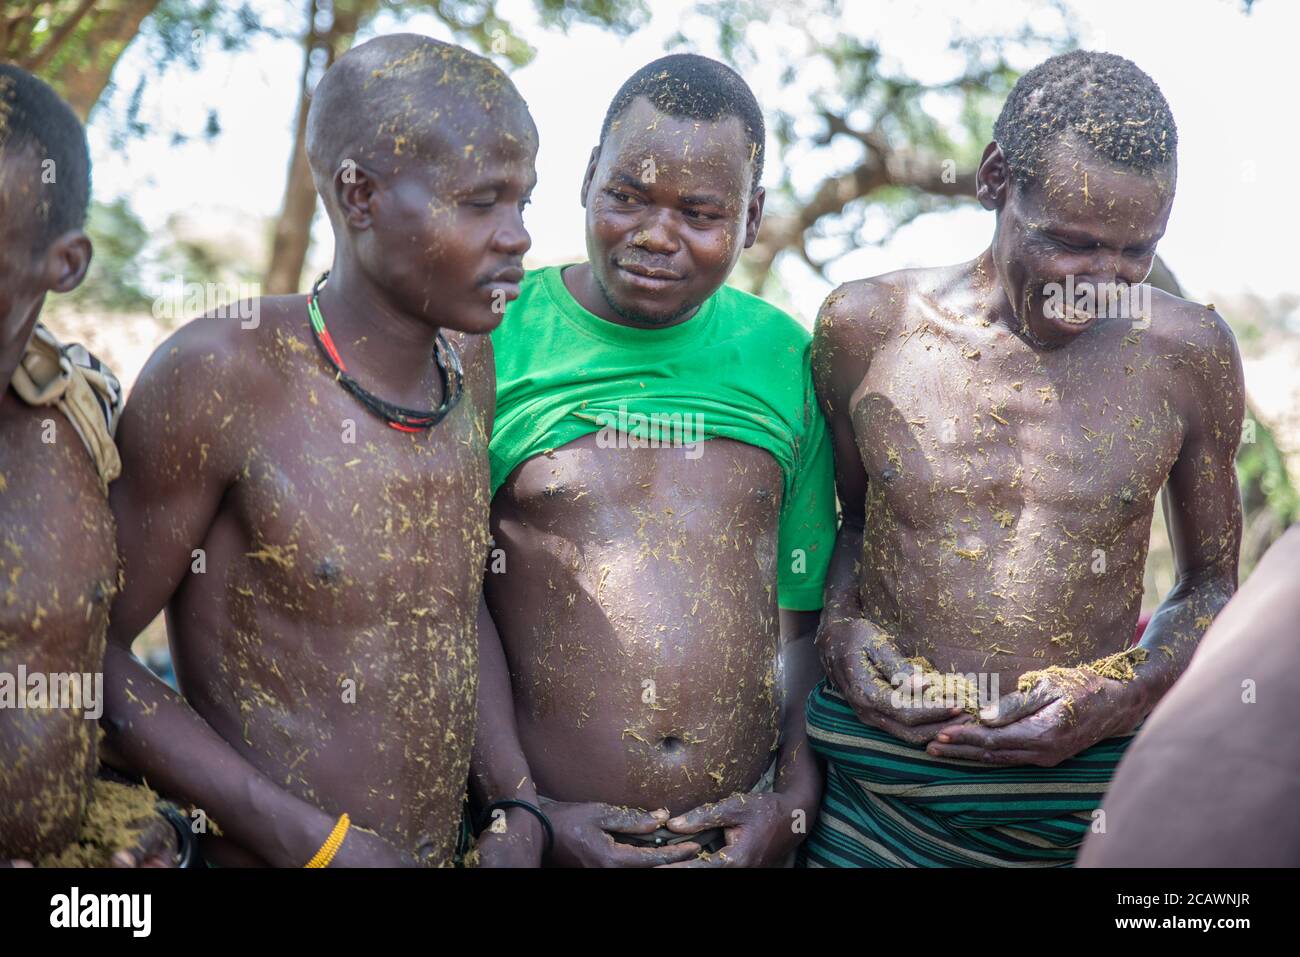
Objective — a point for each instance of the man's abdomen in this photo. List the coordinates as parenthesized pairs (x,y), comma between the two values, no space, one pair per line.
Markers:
(637,607)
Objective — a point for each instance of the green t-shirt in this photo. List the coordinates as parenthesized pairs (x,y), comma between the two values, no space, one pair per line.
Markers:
(738,369)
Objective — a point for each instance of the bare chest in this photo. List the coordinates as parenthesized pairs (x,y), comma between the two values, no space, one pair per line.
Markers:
(351,520)
(950,423)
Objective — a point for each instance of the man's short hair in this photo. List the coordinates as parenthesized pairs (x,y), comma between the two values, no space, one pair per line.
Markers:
(384,96)
(689,86)
(33,115)
(1103,100)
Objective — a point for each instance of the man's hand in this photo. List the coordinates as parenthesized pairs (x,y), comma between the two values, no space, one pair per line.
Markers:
(584,836)
(363,848)
(157,845)
(1056,719)
(758,828)
(861,662)
(518,844)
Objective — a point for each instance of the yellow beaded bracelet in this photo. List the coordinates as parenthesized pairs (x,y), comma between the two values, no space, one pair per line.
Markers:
(332,844)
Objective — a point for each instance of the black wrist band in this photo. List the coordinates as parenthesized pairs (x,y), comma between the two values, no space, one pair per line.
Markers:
(486,818)
(186,851)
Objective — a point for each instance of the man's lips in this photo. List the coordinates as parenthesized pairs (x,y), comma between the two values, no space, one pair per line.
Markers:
(504,281)
(650,278)
(511,275)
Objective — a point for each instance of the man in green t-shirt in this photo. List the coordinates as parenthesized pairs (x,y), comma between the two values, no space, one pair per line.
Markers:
(663,510)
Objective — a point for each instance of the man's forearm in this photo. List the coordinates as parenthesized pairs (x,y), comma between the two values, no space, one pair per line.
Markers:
(1174,633)
(797,771)
(842,585)
(844,613)
(160,737)
(498,769)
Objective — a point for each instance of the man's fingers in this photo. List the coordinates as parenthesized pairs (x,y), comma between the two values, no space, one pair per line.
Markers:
(989,739)
(1018,704)
(910,714)
(628,820)
(629,855)
(705,860)
(911,734)
(719,814)
(886,659)
(1005,758)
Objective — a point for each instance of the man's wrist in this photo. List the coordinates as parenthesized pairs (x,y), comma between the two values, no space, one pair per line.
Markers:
(798,778)
(520,821)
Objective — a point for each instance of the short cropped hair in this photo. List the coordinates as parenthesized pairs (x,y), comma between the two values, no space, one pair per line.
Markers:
(33,116)
(1104,100)
(689,86)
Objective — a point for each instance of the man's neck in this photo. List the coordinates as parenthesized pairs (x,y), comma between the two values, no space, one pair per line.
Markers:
(994,306)
(385,350)
(13,347)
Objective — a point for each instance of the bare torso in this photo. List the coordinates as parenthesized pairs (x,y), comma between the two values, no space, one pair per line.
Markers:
(331,639)
(638,613)
(1010,489)
(58,574)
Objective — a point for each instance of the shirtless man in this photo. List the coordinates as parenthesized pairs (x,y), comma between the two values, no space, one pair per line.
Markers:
(999,447)
(58,567)
(319,551)
(641,572)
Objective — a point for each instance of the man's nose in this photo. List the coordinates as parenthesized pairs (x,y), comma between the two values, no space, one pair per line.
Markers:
(512,238)
(656,234)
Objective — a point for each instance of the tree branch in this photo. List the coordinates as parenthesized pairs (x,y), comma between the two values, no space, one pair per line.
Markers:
(41,57)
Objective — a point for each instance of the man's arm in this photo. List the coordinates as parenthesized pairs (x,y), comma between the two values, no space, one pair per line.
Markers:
(797,771)
(1202,507)
(498,768)
(176,471)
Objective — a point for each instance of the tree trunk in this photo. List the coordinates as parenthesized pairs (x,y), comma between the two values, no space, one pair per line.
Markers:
(83,83)
(298,208)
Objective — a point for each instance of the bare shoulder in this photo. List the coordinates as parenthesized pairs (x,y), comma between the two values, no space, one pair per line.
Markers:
(1197,340)
(853,322)
(476,358)
(1199,351)
(211,369)
(223,343)
(861,312)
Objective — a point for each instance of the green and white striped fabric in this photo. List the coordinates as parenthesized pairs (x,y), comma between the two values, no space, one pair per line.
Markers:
(890,804)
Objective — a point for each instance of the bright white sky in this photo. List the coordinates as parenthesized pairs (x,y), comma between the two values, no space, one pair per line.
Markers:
(1231,79)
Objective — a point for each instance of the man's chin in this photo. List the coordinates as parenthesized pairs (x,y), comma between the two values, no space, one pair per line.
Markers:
(1055,332)
(473,323)
(636,310)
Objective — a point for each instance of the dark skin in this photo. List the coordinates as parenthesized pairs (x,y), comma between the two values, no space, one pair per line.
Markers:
(331,564)
(57,557)
(1203,785)
(625,567)
(985,450)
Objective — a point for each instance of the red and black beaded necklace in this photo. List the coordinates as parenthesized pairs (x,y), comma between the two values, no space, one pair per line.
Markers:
(397,417)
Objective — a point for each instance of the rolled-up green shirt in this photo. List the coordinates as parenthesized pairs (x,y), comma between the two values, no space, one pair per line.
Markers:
(738,369)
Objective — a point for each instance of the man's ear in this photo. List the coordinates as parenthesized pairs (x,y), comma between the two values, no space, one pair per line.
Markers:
(589,175)
(354,191)
(66,261)
(992,179)
(754,216)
